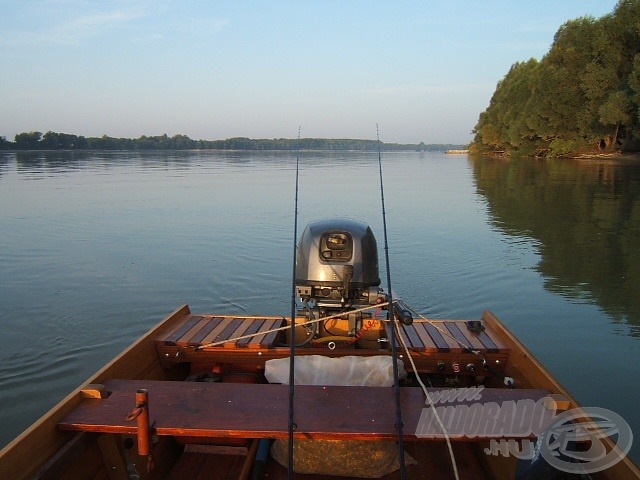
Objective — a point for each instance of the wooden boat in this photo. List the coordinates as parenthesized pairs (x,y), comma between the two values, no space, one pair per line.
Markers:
(190,400)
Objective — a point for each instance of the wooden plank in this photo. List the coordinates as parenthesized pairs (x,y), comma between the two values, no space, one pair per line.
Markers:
(206,330)
(113,457)
(256,342)
(215,449)
(267,341)
(216,331)
(454,346)
(413,337)
(95,391)
(487,341)
(244,325)
(472,339)
(437,337)
(186,338)
(201,466)
(261,410)
(180,331)
(253,328)
(427,341)
(65,456)
(175,325)
(387,328)
(188,466)
(462,341)
(228,330)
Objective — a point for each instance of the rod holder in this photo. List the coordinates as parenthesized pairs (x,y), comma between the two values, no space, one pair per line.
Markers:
(142,420)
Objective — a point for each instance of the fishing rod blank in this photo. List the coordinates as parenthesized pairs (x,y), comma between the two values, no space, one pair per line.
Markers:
(292,343)
(391,319)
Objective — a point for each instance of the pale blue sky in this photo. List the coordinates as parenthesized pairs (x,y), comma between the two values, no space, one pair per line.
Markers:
(216,69)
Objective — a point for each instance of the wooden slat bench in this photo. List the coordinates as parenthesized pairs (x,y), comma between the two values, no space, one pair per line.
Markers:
(261,410)
(433,343)
(446,346)
(449,336)
(197,333)
(201,330)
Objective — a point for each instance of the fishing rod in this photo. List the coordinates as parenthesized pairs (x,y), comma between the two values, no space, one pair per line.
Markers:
(292,343)
(390,318)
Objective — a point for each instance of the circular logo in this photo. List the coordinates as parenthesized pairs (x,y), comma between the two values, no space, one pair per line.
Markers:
(573,444)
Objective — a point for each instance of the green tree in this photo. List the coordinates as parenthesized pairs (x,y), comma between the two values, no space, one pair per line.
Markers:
(617,112)
(496,126)
(584,94)
(634,85)
(62,141)
(30,140)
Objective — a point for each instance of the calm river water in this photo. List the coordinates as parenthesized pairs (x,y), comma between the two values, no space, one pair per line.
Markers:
(97,247)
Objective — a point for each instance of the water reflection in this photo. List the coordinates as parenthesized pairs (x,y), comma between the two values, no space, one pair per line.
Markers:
(37,164)
(56,162)
(585,215)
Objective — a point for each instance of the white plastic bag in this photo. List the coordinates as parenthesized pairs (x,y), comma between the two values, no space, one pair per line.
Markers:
(350,458)
(376,371)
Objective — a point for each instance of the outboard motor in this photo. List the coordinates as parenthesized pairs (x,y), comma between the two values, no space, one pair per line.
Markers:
(337,269)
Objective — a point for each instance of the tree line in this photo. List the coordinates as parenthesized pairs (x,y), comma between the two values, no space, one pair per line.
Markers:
(64,141)
(583,96)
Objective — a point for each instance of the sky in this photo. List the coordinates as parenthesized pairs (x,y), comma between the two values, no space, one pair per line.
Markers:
(423,71)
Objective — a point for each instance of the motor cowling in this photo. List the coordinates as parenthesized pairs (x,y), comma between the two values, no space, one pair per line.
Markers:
(337,264)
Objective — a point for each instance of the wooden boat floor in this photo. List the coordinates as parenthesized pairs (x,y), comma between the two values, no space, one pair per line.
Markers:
(235,410)
(432,464)
(205,466)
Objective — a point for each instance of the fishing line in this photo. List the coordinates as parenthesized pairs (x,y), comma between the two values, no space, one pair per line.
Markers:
(508,381)
(390,318)
(454,464)
(287,327)
(292,343)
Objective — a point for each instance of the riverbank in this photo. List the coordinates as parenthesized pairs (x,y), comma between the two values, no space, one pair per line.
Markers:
(630,156)
(612,156)
(456,152)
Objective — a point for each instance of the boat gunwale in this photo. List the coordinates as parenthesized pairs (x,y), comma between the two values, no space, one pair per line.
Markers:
(26,454)
(625,468)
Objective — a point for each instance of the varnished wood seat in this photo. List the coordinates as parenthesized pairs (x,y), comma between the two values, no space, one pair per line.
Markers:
(437,345)
(224,332)
(203,337)
(261,410)
(449,336)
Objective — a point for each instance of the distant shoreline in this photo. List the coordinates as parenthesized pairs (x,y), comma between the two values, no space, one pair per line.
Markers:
(151,150)
(63,141)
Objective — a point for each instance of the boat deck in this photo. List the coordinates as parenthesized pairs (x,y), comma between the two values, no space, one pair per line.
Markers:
(432,464)
(439,346)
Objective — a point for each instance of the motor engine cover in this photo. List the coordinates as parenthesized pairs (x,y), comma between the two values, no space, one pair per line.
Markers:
(334,254)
